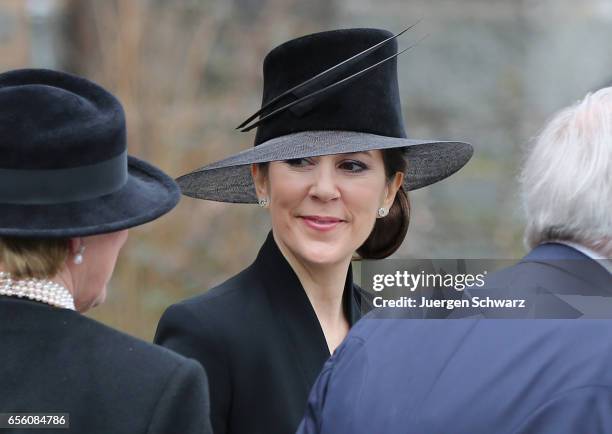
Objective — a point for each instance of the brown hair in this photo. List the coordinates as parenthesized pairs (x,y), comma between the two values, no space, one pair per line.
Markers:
(389,232)
(27,257)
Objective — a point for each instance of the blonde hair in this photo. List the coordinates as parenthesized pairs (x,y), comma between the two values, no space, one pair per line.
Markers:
(33,258)
(567,178)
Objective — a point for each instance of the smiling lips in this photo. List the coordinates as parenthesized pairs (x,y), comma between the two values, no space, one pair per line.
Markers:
(321,223)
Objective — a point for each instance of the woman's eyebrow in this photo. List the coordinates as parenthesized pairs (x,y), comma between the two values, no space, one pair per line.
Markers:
(368,153)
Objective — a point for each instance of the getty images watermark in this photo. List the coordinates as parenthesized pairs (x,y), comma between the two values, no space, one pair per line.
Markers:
(469,288)
(458,282)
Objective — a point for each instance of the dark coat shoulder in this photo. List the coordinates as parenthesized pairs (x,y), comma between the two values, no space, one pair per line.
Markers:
(260,341)
(61,361)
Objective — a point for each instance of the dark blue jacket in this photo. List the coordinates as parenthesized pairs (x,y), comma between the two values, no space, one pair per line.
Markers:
(470,376)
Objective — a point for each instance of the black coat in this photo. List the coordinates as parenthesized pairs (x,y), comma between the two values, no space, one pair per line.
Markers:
(260,341)
(57,360)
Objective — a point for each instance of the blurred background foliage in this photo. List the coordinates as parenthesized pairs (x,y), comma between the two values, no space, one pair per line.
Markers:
(188,71)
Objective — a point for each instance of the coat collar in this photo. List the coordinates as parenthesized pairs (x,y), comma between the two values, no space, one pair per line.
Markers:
(294,311)
(574,262)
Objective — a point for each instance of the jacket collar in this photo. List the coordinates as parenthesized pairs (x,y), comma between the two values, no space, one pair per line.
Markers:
(294,310)
(574,262)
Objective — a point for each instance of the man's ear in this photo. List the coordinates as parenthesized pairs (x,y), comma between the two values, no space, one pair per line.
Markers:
(259,180)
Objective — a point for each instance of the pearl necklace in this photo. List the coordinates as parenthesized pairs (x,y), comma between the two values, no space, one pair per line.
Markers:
(45,291)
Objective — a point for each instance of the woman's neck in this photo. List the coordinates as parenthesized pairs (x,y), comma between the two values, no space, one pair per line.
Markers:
(55,290)
(63,278)
(324,287)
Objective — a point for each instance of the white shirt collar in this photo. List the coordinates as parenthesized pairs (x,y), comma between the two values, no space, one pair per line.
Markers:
(604,262)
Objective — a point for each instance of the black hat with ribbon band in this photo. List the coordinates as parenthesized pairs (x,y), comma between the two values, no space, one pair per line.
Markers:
(328,93)
(64,167)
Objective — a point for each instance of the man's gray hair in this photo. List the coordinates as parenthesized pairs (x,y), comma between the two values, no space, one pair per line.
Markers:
(566,180)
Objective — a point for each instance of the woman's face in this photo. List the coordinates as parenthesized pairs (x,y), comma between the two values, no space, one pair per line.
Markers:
(93,274)
(324,208)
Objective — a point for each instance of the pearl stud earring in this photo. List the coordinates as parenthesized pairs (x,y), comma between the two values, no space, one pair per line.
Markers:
(78,258)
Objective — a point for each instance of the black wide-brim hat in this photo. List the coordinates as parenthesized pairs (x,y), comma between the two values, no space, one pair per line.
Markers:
(64,170)
(328,93)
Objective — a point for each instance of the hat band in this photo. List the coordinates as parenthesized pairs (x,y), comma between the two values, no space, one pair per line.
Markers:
(55,186)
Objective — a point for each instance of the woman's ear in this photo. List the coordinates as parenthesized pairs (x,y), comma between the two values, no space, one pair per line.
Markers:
(74,245)
(259,180)
(392,187)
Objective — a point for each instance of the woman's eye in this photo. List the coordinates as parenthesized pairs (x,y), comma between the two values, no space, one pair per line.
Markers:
(298,162)
(353,166)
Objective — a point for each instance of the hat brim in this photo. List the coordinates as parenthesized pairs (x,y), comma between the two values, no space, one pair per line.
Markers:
(148,194)
(229,180)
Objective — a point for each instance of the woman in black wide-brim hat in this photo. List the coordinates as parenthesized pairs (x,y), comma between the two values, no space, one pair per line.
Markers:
(332,165)
(68,193)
